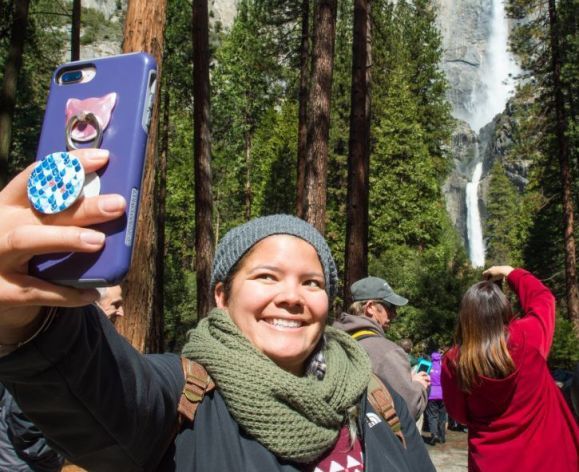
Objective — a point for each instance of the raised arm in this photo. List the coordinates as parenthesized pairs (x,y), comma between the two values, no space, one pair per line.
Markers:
(538,305)
(25,233)
(95,398)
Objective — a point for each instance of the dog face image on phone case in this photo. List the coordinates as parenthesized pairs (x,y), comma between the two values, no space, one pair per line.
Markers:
(87,120)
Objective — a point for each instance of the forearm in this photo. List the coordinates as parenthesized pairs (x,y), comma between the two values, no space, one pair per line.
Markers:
(98,400)
(538,304)
(395,371)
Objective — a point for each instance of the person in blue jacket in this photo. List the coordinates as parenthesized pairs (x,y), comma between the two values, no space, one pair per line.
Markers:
(291,391)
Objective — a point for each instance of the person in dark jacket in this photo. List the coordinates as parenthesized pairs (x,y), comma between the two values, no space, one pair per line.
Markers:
(291,392)
(23,447)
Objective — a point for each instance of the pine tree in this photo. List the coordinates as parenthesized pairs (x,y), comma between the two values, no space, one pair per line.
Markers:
(12,67)
(547,46)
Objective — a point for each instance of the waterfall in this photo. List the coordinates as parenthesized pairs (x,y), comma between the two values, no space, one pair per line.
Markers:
(476,249)
(496,74)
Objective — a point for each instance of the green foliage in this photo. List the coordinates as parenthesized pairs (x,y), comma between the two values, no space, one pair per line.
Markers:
(339,134)
(434,281)
(42,53)
(411,124)
(508,220)
(247,82)
(565,349)
(95,27)
(536,144)
(180,291)
(275,148)
(179,281)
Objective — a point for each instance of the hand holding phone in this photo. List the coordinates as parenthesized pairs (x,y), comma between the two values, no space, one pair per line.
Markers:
(26,235)
(424,365)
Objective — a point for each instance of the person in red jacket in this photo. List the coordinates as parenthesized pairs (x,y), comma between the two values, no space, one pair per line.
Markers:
(496,380)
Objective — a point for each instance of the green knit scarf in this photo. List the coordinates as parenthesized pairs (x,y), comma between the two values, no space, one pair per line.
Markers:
(296,418)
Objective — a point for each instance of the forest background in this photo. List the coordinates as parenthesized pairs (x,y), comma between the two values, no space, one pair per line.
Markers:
(255,106)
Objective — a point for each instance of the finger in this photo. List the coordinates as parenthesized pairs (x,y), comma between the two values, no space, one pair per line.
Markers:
(24,290)
(91,158)
(15,191)
(24,242)
(89,211)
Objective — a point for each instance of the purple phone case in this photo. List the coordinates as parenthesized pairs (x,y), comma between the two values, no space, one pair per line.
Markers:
(130,76)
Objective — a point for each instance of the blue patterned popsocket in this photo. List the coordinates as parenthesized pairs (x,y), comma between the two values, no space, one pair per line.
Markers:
(55,183)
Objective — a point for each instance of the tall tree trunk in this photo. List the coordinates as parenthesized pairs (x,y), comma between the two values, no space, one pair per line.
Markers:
(248,191)
(75,31)
(144,28)
(358,156)
(8,92)
(158,288)
(303,110)
(204,248)
(571,293)
(319,124)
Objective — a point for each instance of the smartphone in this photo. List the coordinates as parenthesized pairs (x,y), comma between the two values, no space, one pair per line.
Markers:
(105,103)
(424,365)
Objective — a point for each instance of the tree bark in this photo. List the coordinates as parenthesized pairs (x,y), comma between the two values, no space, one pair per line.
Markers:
(248,190)
(319,124)
(75,31)
(356,260)
(158,288)
(204,248)
(571,293)
(144,28)
(303,109)
(12,68)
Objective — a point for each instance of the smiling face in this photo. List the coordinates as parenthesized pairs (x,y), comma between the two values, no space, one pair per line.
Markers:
(278,300)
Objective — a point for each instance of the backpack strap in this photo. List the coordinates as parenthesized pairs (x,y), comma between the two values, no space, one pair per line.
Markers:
(381,400)
(197,384)
(363,334)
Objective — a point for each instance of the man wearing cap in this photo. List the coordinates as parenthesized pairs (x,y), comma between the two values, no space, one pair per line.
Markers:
(373,308)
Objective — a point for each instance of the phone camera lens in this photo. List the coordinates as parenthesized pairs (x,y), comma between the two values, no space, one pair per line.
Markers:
(72,76)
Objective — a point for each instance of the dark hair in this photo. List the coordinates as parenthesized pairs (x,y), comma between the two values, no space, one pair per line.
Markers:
(481,335)
(406,344)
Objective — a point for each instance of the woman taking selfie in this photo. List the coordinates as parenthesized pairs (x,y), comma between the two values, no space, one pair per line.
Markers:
(496,380)
(290,392)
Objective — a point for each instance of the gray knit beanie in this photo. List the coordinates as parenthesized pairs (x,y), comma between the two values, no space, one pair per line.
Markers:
(240,239)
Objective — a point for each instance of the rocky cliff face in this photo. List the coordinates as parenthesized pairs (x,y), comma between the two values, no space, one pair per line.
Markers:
(109,8)
(464,25)
(221,11)
(467,29)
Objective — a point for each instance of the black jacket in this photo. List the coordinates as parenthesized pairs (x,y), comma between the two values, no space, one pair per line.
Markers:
(108,408)
(23,447)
